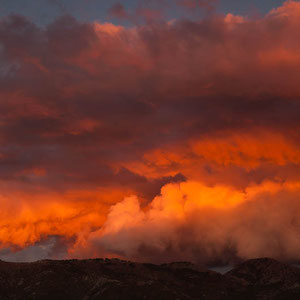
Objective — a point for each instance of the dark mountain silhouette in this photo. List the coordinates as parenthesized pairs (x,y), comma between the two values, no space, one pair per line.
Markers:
(116,279)
(266,278)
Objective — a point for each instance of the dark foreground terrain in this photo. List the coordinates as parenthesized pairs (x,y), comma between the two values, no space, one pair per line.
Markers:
(115,279)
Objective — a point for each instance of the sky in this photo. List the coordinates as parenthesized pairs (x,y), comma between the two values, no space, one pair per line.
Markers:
(44,11)
(150,132)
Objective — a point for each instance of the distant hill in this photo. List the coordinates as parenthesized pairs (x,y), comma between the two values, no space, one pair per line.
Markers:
(116,279)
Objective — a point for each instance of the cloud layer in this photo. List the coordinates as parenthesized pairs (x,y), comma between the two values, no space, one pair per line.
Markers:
(182,119)
(208,225)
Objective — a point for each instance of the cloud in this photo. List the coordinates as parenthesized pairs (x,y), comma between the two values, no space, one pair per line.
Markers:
(53,247)
(208,5)
(142,14)
(92,113)
(118,11)
(207,225)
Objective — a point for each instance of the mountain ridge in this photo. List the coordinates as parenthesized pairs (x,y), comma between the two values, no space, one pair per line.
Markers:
(262,278)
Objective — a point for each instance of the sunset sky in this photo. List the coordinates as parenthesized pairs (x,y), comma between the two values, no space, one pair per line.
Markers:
(150,130)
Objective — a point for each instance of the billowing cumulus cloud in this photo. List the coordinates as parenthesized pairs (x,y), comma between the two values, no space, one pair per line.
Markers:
(161,140)
(208,225)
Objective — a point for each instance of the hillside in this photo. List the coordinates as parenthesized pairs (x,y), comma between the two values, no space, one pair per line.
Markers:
(116,279)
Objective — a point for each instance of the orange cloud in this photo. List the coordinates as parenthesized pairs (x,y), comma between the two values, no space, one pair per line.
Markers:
(156,141)
(27,219)
(204,224)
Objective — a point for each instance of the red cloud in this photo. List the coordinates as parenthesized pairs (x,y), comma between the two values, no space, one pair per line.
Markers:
(93,113)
